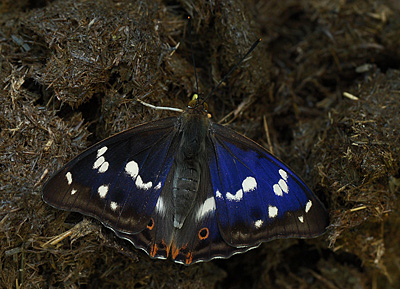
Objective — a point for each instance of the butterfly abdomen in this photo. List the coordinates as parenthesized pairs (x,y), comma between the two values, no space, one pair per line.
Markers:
(191,153)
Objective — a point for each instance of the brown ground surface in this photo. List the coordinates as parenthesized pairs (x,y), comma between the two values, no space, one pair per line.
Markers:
(325,78)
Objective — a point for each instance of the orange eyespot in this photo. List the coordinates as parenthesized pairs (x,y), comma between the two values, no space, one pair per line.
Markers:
(203,233)
(150,225)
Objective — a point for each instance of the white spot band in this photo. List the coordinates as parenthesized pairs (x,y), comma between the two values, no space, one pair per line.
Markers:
(132,169)
(272,211)
(98,162)
(236,197)
(206,208)
(113,206)
(103,190)
(69,178)
(160,206)
(258,223)
(140,185)
(249,184)
(158,186)
(283,174)
(308,206)
(277,190)
(101,151)
(104,167)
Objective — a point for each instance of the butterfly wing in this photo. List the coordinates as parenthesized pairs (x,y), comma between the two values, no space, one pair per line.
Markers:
(258,198)
(118,180)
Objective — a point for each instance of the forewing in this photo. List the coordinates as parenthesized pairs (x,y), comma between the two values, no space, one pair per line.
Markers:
(118,180)
(258,198)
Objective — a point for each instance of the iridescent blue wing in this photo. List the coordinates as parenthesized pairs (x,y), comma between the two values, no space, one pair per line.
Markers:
(118,180)
(258,198)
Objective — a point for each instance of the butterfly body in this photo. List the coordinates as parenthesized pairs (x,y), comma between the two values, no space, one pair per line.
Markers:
(187,188)
(188,165)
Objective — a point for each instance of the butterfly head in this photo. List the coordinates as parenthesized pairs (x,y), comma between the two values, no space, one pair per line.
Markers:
(198,105)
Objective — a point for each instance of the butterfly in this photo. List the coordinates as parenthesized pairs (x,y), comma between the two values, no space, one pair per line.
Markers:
(187,188)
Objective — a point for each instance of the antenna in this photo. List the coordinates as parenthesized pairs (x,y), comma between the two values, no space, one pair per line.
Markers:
(234,68)
(191,48)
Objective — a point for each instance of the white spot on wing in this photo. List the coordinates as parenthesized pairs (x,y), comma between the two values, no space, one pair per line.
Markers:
(177,224)
(277,190)
(104,167)
(69,178)
(272,211)
(308,206)
(132,169)
(218,194)
(98,162)
(101,151)
(158,186)
(113,206)
(249,184)
(301,219)
(236,197)
(206,208)
(283,174)
(160,206)
(258,223)
(283,185)
(73,191)
(140,185)
(103,190)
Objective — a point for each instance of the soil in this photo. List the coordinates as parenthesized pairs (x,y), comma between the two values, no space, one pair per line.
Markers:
(321,91)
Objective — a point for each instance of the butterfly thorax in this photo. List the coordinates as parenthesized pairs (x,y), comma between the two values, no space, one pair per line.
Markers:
(188,160)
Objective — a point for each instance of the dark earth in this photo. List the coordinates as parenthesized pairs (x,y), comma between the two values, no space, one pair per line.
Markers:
(322,91)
